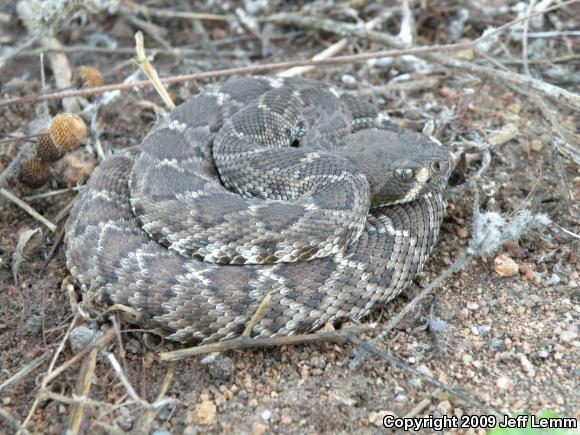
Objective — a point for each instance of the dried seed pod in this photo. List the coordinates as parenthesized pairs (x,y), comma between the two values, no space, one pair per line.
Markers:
(87,77)
(34,172)
(67,130)
(46,149)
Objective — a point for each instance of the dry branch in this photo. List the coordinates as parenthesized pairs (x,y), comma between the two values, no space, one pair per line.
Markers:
(339,336)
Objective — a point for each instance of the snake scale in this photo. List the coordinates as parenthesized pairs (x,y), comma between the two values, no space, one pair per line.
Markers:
(261,185)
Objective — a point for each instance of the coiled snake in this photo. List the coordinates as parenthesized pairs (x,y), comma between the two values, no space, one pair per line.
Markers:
(260,185)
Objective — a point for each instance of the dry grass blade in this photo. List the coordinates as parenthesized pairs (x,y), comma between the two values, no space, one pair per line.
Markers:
(145,424)
(150,71)
(28,209)
(25,371)
(131,391)
(14,424)
(100,343)
(82,390)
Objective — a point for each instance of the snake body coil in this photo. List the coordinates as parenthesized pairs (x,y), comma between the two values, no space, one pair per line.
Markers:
(261,185)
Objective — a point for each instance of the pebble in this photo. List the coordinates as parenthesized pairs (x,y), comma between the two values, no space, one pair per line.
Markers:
(348,79)
(505,266)
(401,397)
(514,107)
(473,306)
(553,280)
(375,419)
(80,337)
(527,365)
(462,232)
(543,353)
(34,324)
(205,413)
(537,145)
(444,407)
(504,383)
(568,336)
(259,428)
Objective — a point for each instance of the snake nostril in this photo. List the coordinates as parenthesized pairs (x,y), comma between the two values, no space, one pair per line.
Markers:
(439,166)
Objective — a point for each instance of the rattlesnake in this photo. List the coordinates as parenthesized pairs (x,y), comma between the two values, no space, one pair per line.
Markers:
(260,185)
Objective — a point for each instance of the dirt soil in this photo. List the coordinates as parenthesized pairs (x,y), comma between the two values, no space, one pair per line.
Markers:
(510,342)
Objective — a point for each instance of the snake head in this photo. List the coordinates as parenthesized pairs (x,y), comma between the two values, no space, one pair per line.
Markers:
(400,165)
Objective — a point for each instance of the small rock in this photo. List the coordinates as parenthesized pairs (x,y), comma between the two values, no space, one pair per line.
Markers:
(125,421)
(348,79)
(505,266)
(80,337)
(375,419)
(537,145)
(34,323)
(444,407)
(318,362)
(259,428)
(401,397)
(285,420)
(204,413)
(473,306)
(553,280)
(266,414)
(504,383)
(527,365)
(568,336)
(514,108)
(462,233)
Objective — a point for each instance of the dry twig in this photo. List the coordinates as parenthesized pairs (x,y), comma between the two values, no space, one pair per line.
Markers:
(28,209)
(82,390)
(150,71)
(339,336)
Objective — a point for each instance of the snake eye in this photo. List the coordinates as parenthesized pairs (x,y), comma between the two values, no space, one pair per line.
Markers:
(405,174)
